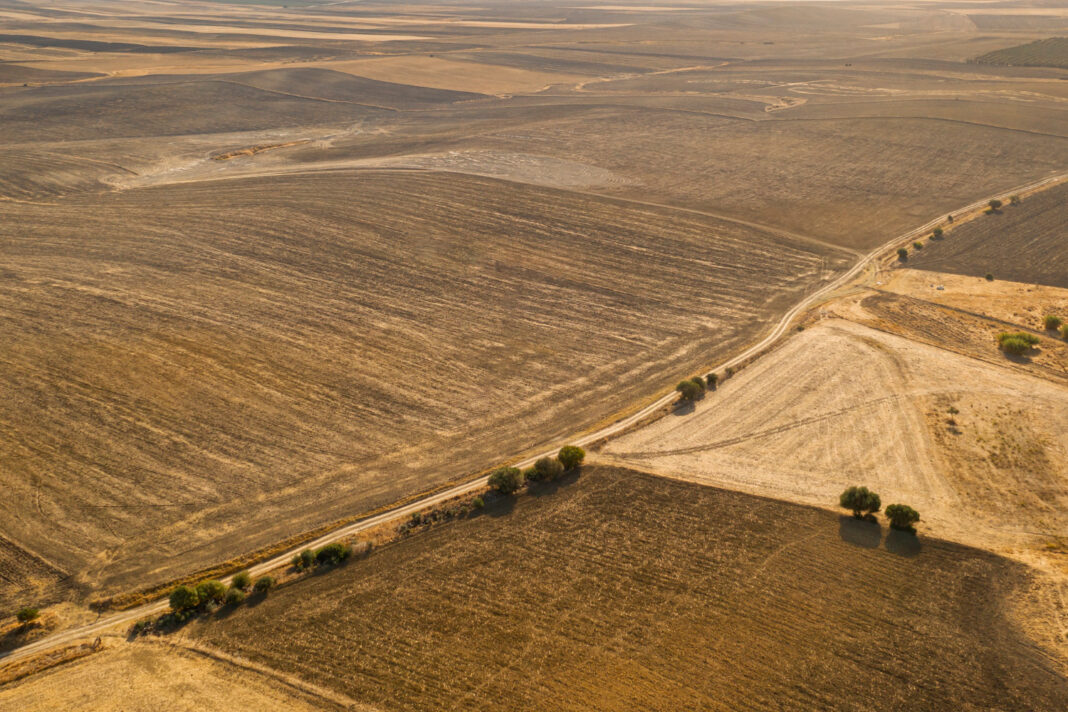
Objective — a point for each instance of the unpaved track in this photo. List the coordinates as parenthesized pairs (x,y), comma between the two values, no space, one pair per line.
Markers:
(126,617)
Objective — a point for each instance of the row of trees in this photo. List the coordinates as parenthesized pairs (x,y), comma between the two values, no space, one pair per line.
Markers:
(508,480)
(864,504)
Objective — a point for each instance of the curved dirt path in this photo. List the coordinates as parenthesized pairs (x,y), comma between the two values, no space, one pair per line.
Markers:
(107,622)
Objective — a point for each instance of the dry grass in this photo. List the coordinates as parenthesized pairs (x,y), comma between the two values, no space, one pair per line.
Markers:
(178,397)
(622,591)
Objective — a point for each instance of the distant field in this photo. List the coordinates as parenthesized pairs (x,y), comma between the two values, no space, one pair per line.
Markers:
(1022,243)
(195,370)
(625,591)
(1041,53)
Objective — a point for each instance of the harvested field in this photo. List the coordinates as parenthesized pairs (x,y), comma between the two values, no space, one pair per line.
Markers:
(624,591)
(146,677)
(367,334)
(1022,243)
(1052,52)
(843,404)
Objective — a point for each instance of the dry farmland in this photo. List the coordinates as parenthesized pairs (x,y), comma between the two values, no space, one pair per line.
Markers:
(268,266)
(1021,243)
(620,590)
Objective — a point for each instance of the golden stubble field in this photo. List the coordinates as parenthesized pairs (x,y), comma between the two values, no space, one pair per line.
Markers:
(265,267)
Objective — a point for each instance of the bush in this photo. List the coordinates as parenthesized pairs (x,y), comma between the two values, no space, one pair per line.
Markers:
(937,233)
(995,205)
(1018,343)
(1064,332)
(478,503)
(989,277)
(688,390)
(861,500)
(571,456)
(902,517)
(183,598)
(1014,200)
(27,614)
(263,585)
(1052,322)
(211,590)
(546,468)
(304,560)
(234,597)
(949,218)
(505,480)
(712,379)
(902,254)
(918,245)
(242,580)
(333,554)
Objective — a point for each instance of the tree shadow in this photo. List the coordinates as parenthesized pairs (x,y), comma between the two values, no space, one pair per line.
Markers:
(499,506)
(859,532)
(541,489)
(903,543)
(684,408)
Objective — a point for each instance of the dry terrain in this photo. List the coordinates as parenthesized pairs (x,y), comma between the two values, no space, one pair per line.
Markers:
(264,267)
(137,678)
(1041,53)
(619,590)
(1022,243)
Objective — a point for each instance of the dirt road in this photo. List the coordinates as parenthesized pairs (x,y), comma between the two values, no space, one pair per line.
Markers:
(107,622)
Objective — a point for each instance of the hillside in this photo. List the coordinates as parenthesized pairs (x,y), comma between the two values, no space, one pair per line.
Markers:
(1052,52)
(622,591)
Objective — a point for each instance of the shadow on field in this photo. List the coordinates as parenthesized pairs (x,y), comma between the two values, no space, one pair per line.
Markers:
(683,408)
(860,532)
(499,506)
(541,489)
(903,543)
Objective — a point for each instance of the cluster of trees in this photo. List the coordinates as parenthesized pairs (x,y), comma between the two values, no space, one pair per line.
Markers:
(329,555)
(188,601)
(693,388)
(1017,343)
(864,504)
(508,480)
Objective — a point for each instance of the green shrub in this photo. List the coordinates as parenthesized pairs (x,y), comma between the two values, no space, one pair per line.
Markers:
(571,456)
(902,516)
(263,585)
(1017,343)
(1064,332)
(211,590)
(937,233)
(989,277)
(902,254)
(1052,322)
(478,503)
(547,468)
(333,554)
(304,560)
(183,598)
(27,614)
(861,500)
(242,580)
(918,245)
(505,480)
(1014,200)
(995,205)
(712,379)
(234,597)
(688,390)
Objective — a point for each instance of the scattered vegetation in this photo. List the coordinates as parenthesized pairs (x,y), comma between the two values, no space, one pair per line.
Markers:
(1052,322)
(27,614)
(902,254)
(184,598)
(937,233)
(1017,343)
(478,503)
(234,597)
(263,585)
(242,581)
(862,501)
(902,517)
(712,379)
(505,480)
(1051,52)
(1014,200)
(918,245)
(571,456)
(691,389)
(994,206)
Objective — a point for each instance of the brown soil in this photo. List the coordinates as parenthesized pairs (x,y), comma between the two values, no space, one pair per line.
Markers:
(621,590)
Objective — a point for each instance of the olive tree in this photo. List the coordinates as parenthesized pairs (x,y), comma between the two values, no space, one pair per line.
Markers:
(902,516)
(861,500)
(505,480)
(571,456)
